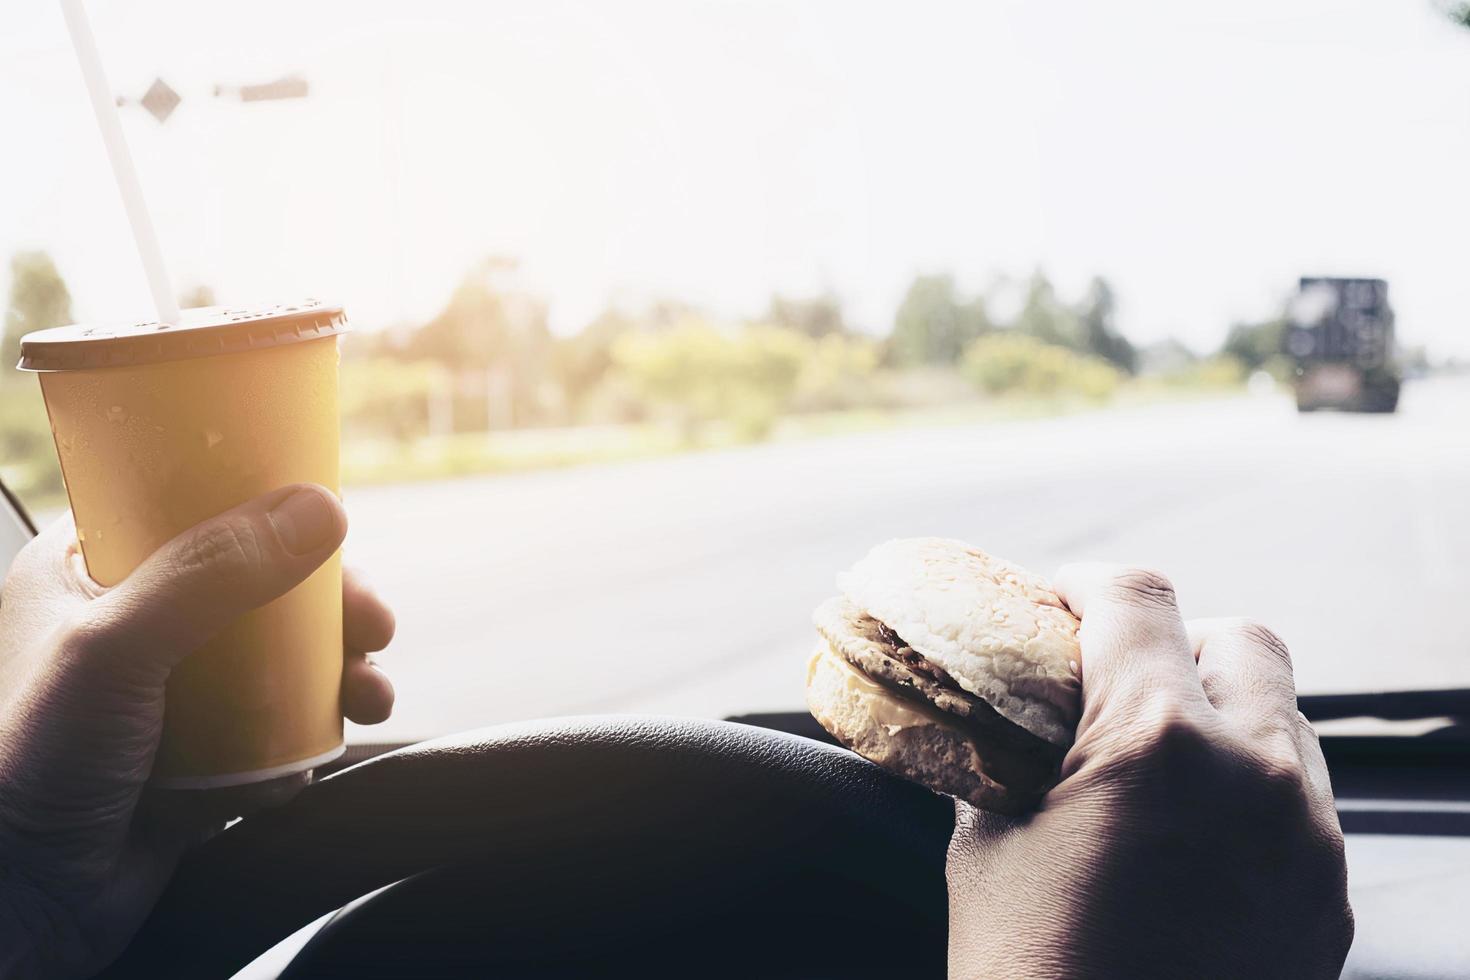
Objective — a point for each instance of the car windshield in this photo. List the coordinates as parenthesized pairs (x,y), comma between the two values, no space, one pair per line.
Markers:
(665,312)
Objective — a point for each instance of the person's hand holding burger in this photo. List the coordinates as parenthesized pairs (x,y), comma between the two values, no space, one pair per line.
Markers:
(1135,796)
(1192,833)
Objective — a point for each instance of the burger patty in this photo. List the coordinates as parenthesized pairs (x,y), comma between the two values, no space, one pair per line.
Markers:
(1009,754)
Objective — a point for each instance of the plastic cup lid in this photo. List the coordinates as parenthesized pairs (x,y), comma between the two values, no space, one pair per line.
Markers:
(203,332)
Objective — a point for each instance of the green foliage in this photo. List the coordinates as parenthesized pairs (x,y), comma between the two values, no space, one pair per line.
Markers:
(487,321)
(1009,363)
(1456,10)
(1100,334)
(27,453)
(390,397)
(1044,317)
(1220,371)
(1165,357)
(491,326)
(837,373)
(933,325)
(702,374)
(583,360)
(38,299)
(819,316)
(1254,344)
(417,401)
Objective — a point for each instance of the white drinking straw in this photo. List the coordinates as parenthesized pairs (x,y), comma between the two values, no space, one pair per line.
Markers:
(122,161)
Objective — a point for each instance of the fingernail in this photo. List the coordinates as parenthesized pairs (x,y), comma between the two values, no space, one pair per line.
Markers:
(304,521)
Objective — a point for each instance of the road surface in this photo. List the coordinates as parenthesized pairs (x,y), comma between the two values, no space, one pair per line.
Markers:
(684,585)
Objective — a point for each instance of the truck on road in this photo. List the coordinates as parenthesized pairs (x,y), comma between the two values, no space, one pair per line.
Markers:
(1339,337)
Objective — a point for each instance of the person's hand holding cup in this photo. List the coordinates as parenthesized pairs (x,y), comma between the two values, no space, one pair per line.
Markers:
(86,846)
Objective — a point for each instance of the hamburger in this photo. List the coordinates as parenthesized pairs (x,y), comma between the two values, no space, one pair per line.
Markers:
(953,668)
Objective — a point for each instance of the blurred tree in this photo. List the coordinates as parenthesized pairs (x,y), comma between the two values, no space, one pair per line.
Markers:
(27,455)
(1456,10)
(38,299)
(837,374)
(1219,371)
(393,398)
(1010,362)
(583,360)
(1046,318)
(1100,334)
(817,316)
(492,334)
(1256,344)
(487,320)
(200,295)
(1165,357)
(703,374)
(665,313)
(932,325)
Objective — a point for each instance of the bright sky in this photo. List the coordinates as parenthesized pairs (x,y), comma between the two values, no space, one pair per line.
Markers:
(1200,155)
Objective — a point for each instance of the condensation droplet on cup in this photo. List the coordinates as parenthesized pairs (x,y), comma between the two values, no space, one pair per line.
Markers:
(117,414)
(81,535)
(213,438)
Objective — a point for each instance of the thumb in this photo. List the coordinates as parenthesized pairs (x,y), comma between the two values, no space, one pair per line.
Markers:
(202,580)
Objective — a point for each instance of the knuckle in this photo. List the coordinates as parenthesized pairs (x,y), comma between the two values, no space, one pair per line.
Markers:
(1143,587)
(226,551)
(1280,773)
(1163,735)
(1265,638)
(1283,776)
(1170,730)
(1150,749)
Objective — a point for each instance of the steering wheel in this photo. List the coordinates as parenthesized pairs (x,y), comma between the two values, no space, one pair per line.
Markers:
(600,846)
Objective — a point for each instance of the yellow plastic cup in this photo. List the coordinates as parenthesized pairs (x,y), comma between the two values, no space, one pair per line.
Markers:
(159,427)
